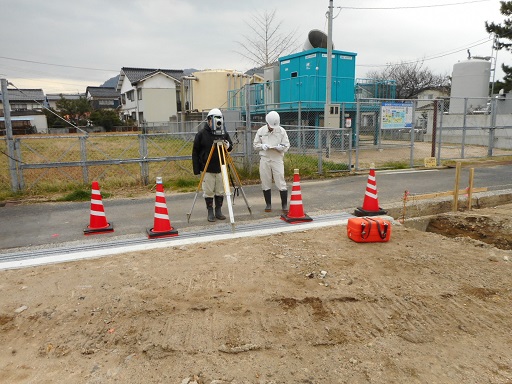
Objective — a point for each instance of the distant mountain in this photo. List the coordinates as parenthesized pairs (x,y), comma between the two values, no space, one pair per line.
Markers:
(111,83)
(189,71)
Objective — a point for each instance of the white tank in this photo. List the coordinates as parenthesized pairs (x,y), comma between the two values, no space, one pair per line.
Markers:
(470,79)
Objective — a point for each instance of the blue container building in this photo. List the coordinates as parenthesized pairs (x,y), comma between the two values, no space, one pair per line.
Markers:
(303,75)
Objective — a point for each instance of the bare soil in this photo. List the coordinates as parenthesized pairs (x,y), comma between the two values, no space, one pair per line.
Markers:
(310,306)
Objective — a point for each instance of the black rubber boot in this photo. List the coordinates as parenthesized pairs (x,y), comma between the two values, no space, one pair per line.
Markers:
(218,206)
(268,200)
(209,207)
(284,201)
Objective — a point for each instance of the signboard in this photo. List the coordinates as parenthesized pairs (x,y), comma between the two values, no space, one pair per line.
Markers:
(430,162)
(395,115)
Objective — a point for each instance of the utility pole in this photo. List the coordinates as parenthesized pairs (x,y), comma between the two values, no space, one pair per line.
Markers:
(495,57)
(328,80)
(331,113)
(9,136)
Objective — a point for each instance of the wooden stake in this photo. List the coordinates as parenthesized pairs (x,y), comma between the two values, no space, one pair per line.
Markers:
(470,187)
(455,205)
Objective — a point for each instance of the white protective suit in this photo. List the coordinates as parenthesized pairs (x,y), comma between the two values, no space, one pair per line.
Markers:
(272,145)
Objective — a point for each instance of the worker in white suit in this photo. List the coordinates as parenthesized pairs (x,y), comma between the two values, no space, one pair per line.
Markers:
(272,142)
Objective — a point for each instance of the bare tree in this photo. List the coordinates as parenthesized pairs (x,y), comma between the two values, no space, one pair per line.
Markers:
(268,43)
(411,78)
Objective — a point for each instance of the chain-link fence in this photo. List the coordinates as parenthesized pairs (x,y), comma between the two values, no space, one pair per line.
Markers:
(473,127)
(380,133)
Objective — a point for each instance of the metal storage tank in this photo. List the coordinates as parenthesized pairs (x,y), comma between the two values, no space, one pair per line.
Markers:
(470,79)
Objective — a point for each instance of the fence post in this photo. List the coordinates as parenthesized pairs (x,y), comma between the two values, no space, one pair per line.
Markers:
(83,158)
(143,153)
(434,131)
(356,141)
(413,134)
(21,181)
(438,138)
(9,136)
(299,125)
(348,132)
(492,130)
(248,134)
(464,128)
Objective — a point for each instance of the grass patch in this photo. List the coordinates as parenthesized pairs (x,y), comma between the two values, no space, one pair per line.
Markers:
(80,195)
(308,165)
(395,165)
(183,184)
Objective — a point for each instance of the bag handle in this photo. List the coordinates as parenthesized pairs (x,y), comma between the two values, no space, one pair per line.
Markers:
(364,234)
(382,233)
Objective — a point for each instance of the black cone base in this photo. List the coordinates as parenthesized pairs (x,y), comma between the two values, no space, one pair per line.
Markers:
(155,235)
(294,220)
(92,231)
(359,212)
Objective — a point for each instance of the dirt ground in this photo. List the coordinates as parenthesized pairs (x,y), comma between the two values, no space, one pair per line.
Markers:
(304,307)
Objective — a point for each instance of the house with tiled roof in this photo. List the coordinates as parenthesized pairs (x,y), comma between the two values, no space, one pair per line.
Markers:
(149,95)
(25,99)
(26,107)
(53,98)
(103,97)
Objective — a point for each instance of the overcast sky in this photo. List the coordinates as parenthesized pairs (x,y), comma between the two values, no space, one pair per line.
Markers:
(65,46)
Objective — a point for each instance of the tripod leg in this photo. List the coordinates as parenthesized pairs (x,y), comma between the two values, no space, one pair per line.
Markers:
(223,168)
(193,203)
(238,182)
(200,184)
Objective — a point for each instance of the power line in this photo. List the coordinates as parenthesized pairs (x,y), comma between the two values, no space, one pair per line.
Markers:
(417,6)
(57,65)
(475,44)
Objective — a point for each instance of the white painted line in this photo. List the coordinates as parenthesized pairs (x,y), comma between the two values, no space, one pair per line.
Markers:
(407,171)
(175,242)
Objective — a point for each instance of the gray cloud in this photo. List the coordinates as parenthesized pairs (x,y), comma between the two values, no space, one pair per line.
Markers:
(103,36)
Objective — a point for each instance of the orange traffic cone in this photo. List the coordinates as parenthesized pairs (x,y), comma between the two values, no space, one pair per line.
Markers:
(296,212)
(371,201)
(98,221)
(162,225)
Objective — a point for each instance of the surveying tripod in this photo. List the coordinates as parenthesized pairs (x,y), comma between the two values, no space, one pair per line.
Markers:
(226,165)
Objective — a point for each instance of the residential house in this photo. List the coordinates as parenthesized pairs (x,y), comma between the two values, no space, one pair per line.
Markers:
(103,97)
(25,122)
(425,106)
(25,99)
(26,107)
(430,94)
(149,95)
(53,98)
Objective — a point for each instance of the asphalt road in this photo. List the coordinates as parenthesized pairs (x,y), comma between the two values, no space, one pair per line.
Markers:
(47,224)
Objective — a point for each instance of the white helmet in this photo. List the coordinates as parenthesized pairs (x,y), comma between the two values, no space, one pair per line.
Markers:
(273,119)
(214,112)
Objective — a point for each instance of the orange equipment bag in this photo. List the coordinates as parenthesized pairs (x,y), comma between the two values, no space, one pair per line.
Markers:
(368,229)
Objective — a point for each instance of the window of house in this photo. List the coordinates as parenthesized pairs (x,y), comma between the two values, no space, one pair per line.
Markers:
(19,107)
(130,95)
(139,93)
